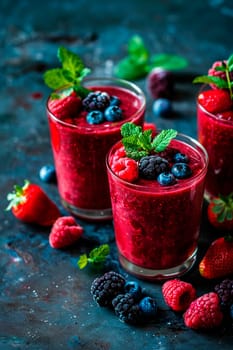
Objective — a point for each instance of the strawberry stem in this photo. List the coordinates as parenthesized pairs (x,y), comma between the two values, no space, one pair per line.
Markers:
(18,195)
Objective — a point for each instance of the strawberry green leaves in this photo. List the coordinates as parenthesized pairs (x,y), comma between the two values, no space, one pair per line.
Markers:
(227,68)
(96,257)
(139,143)
(138,63)
(71,73)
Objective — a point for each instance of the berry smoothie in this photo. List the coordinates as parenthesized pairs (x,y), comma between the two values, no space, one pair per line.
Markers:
(216,135)
(157,227)
(80,149)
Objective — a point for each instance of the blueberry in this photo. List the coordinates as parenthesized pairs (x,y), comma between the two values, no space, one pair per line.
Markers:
(181,170)
(47,173)
(180,158)
(166,179)
(95,117)
(162,107)
(149,307)
(114,101)
(134,289)
(113,113)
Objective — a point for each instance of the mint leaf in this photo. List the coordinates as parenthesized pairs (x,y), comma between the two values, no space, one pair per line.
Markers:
(162,140)
(128,68)
(139,143)
(129,129)
(230,61)
(167,62)
(96,257)
(137,50)
(209,79)
(70,75)
(83,261)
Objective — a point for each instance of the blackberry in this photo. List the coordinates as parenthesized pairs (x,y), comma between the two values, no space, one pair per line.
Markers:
(224,290)
(96,101)
(105,288)
(127,309)
(151,166)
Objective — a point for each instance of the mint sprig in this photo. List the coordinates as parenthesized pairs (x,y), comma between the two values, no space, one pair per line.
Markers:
(138,62)
(139,143)
(227,68)
(95,258)
(69,75)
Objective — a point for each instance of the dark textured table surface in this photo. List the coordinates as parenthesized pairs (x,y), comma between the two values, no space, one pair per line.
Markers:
(45,299)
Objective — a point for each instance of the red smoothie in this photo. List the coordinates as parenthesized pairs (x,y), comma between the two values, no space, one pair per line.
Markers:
(157,227)
(216,135)
(80,150)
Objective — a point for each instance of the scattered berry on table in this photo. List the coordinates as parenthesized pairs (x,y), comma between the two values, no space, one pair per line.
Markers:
(162,107)
(114,101)
(224,289)
(95,117)
(204,312)
(105,288)
(113,113)
(96,101)
(47,173)
(180,158)
(127,309)
(151,166)
(65,231)
(178,294)
(133,288)
(166,179)
(215,101)
(148,307)
(65,106)
(160,83)
(126,168)
(181,170)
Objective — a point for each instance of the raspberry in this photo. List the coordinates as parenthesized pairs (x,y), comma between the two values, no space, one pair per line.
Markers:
(105,288)
(65,106)
(127,309)
(178,294)
(204,312)
(151,166)
(224,290)
(126,168)
(215,73)
(215,101)
(160,83)
(65,231)
(96,101)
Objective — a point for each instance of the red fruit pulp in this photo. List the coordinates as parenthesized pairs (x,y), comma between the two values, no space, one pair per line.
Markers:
(80,150)
(157,227)
(216,135)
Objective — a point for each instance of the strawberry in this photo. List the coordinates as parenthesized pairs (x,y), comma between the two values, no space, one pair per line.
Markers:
(218,260)
(204,312)
(220,212)
(31,204)
(65,231)
(215,101)
(65,106)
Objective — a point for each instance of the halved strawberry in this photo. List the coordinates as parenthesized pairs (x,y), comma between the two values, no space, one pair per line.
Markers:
(215,101)
(66,106)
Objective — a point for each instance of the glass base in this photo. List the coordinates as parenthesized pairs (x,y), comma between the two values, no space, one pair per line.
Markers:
(151,274)
(88,214)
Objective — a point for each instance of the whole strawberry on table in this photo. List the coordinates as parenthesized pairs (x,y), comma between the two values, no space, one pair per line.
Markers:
(30,204)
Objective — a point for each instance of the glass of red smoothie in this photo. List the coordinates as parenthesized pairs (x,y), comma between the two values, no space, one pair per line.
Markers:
(157,226)
(80,148)
(215,133)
